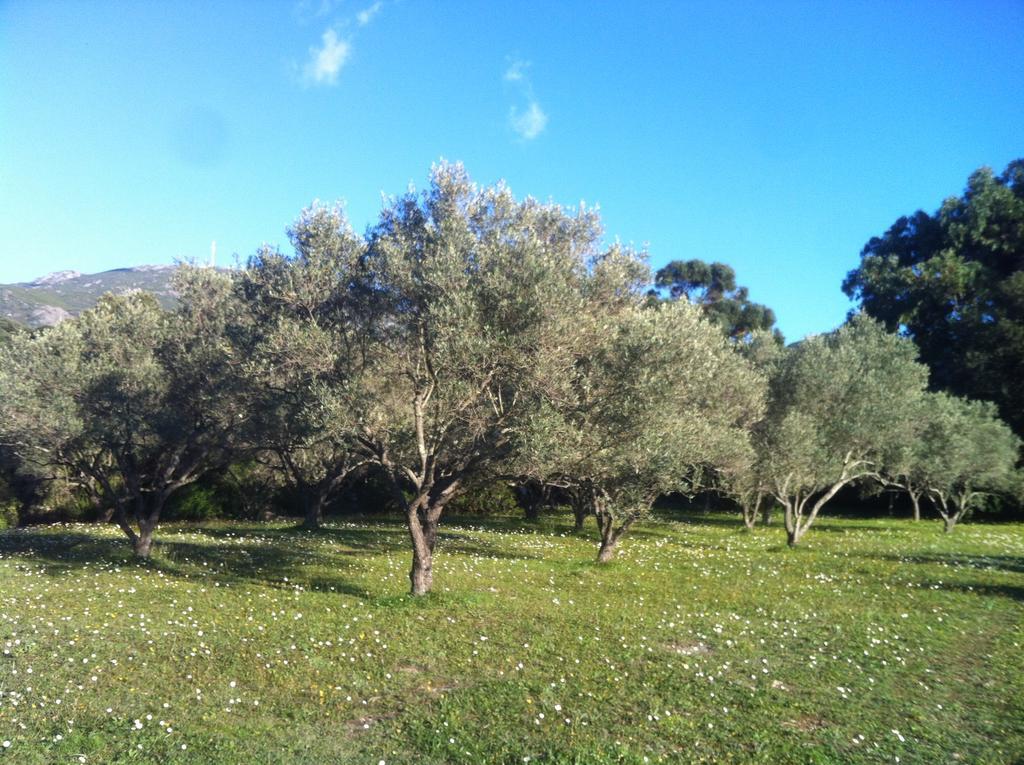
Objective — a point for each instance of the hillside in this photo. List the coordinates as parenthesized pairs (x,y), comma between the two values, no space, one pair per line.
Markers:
(52,298)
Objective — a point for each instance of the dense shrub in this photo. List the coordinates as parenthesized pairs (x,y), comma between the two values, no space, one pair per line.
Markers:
(8,514)
(215,497)
(495,498)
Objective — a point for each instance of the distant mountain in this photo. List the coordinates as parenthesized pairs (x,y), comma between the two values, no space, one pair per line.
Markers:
(52,298)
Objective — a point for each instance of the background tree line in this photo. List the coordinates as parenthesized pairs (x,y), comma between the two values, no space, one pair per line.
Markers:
(472,340)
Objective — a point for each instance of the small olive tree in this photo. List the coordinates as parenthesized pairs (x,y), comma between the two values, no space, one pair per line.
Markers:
(908,460)
(655,399)
(965,452)
(743,479)
(835,410)
(129,399)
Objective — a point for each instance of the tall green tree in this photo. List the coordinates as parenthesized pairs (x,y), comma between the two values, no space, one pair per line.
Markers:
(954,282)
(459,292)
(129,400)
(713,287)
(836,408)
(306,359)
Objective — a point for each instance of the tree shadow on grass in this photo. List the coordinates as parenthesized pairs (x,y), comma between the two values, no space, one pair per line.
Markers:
(281,557)
(982,590)
(690,517)
(270,565)
(1008,563)
(381,536)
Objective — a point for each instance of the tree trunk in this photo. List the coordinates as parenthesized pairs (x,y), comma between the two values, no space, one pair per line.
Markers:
(797,522)
(610,536)
(607,551)
(422,525)
(609,539)
(421,576)
(795,530)
(314,506)
(143,541)
(579,510)
(948,522)
(750,512)
(147,516)
(916,501)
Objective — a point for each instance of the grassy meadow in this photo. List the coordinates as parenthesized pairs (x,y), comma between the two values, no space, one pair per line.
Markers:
(877,641)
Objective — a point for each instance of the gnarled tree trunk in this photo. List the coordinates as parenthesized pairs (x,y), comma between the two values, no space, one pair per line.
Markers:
(422,516)
(422,520)
(609,539)
(951,509)
(610,535)
(790,521)
(147,518)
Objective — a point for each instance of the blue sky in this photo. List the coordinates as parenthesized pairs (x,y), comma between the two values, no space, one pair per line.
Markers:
(777,137)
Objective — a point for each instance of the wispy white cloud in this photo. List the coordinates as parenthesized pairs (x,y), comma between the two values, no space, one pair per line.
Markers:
(327,60)
(308,10)
(516,70)
(530,122)
(527,121)
(366,15)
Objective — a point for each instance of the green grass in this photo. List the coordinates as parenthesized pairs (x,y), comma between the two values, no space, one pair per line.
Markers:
(252,643)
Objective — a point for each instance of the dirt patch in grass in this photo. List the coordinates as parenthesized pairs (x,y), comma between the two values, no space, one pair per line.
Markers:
(806,723)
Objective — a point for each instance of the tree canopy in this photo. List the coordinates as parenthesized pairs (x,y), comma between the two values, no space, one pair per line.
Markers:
(713,287)
(306,358)
(954,282)
(8,328)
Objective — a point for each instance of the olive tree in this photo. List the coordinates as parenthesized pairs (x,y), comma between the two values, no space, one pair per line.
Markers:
(459,292)
(835,410)
(655,399)
(129,398)
(744,480)
(907,462)
(306,358)
(965,452)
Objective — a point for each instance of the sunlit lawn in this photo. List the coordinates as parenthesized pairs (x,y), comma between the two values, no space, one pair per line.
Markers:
(260,644)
